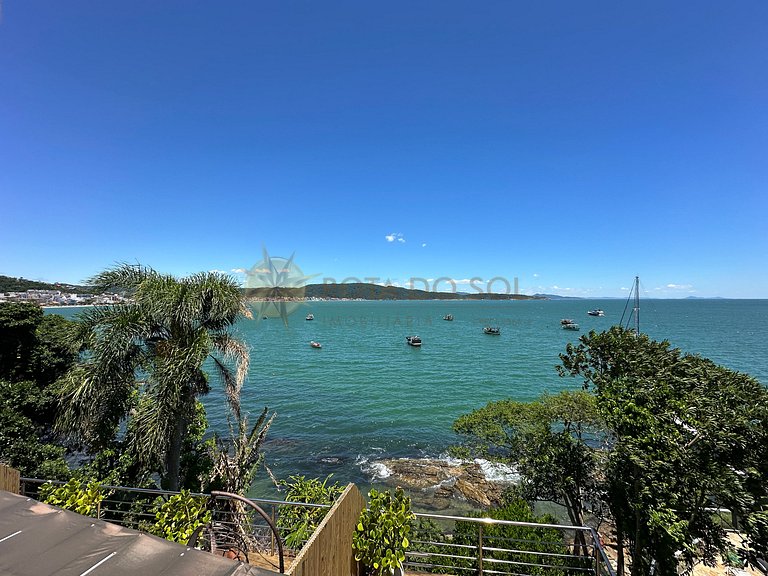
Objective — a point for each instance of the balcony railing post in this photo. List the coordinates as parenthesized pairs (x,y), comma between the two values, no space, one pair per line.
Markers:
(596,554)
(271,535)
(480,550)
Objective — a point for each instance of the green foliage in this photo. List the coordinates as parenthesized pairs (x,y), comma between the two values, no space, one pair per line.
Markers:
(686,435)
(34,346)
(178,517)
(35,350)
(17,337)
(547,439)
(658,436)
(429,540)
(55,351)
(80,497)
(297,523)
(196,462)
(501,543)
(236,460)
(381,537)
(514,538)
(21,445)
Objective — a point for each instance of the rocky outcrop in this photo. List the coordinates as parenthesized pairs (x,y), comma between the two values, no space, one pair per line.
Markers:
(440,482)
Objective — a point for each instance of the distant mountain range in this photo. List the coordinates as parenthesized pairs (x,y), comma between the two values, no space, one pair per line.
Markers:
(363,291)
(556,297)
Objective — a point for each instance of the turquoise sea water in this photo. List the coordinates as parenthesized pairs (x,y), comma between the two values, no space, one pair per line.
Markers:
(368,395)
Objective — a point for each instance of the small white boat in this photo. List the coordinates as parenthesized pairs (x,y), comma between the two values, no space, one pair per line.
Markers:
(448,317)
(492,331)
(596,312)
(310,316)
(413,340)
(571,326)
(315,344)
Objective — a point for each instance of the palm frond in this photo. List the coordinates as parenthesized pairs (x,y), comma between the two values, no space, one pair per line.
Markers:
(231,388)
(260,428)
(124,277)
(92,404)
(235,351)
(152,425)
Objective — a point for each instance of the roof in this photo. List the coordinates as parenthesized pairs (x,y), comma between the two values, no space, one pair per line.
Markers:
(37,539)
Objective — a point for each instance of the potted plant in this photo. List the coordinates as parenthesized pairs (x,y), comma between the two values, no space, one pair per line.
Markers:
(381,537)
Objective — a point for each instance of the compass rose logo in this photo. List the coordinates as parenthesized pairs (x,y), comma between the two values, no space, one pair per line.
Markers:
(278,285)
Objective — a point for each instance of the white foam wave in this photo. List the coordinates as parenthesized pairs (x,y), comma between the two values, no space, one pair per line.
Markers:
(376,470)
(498,472)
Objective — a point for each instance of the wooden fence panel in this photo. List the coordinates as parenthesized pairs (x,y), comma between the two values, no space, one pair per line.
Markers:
(328,552)
(10,479)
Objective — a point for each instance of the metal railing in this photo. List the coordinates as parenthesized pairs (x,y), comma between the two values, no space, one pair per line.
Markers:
(136,507)
(460,545)
(438,544)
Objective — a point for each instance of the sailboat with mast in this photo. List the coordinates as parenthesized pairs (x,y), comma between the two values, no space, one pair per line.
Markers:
(635,314)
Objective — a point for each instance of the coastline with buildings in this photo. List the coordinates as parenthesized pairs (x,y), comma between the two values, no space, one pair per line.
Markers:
(57,298)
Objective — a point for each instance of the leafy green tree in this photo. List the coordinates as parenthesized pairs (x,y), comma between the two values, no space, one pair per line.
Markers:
(547,440)
(686,435)
(18,322)
(22,438)
(144,362)
(35,350)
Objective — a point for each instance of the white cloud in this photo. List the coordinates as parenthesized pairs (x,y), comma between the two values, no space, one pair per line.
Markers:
(535,275)
(395,237)
(423,244)
(238,270)
(214,271)
(680,286)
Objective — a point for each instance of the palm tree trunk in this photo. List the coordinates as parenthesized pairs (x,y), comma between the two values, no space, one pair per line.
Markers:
(172,478)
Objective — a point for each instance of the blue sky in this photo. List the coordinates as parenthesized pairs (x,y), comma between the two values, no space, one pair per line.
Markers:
(570,145)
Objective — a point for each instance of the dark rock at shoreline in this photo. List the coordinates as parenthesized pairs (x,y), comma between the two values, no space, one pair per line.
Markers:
(440,482)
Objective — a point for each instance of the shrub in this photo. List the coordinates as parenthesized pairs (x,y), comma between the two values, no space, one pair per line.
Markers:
(74,495)
(177,518)
(381,538)
(297,523)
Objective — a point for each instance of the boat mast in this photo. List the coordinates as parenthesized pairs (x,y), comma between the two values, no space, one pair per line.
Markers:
(637,305)
(635,309)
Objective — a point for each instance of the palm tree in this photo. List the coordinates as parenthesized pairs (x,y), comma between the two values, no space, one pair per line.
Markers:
(143,362)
